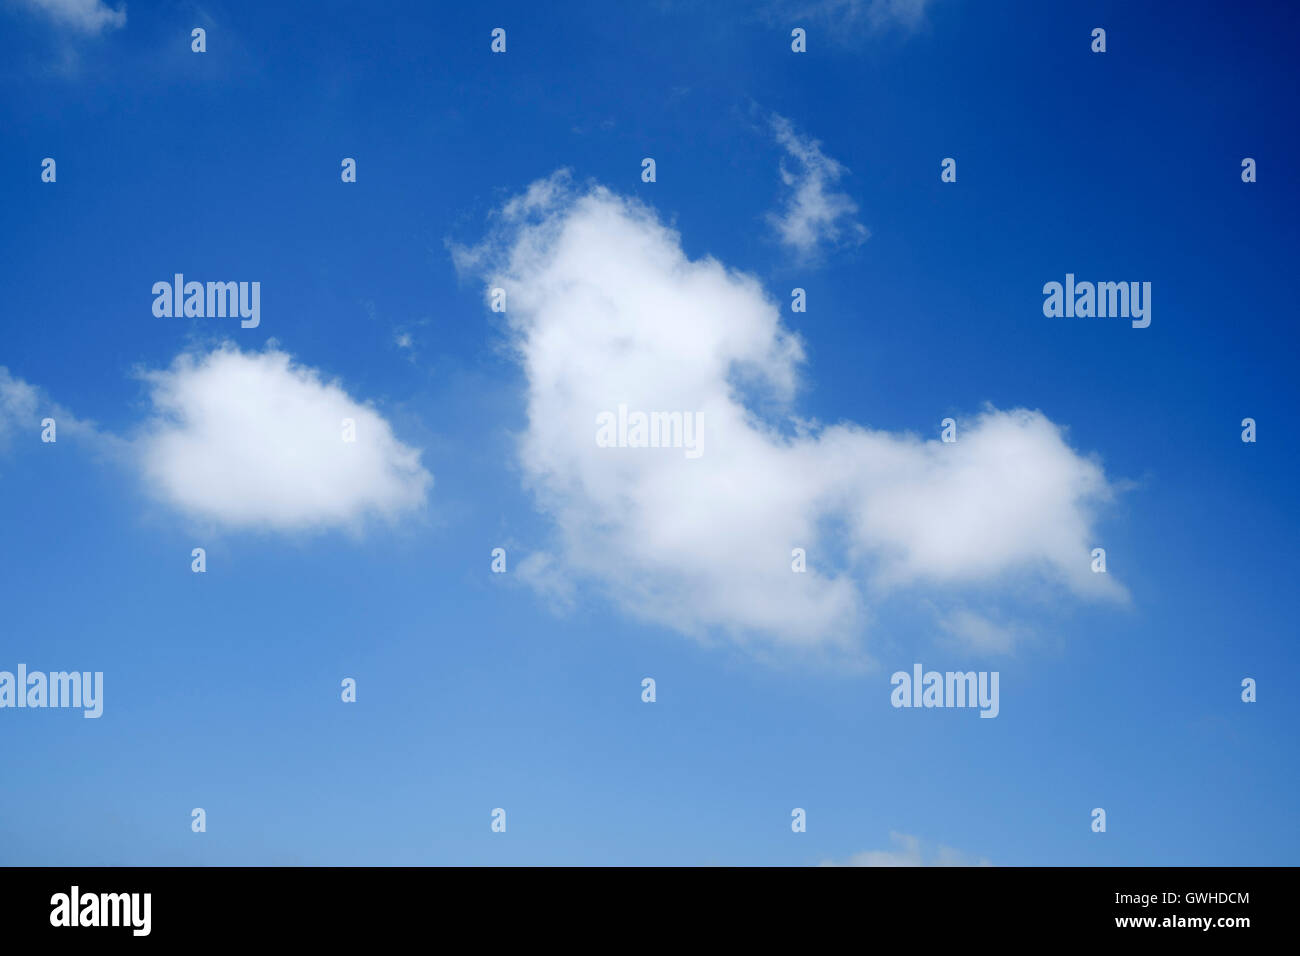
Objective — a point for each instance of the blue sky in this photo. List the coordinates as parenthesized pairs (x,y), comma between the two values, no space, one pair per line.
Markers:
(523,690)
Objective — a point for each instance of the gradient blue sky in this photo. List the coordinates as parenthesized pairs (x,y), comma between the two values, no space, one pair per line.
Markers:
(474,693)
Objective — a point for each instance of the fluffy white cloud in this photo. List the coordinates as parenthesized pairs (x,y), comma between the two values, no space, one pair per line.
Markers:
(252,440)
(606,310)
(86,16)
(907,852)
(813,215)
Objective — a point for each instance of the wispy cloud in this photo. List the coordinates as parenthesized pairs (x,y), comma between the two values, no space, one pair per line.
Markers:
(907,851)
(23,406)
(814,215)
(83,16)
(978,632)
(848,16)
(18,404)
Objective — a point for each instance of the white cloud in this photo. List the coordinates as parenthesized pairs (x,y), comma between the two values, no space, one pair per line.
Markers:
(86,16)
(813,215)
(605,309)
(252,440)
(907,852)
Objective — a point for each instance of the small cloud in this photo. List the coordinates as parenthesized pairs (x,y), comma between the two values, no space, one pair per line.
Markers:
(907,851)
(84,16)
(24,406)
(977,632)
(253,440)
(814,215)
(403,335)
(405,338)
(547,577)
(851,16)
(18,404)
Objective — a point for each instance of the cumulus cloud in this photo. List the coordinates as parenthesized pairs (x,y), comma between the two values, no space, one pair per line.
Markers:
(253,440)
(84,16)
(813,215)
(605,310)
(907,852)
